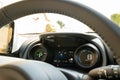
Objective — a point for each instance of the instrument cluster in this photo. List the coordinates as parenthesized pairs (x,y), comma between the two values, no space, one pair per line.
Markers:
(68,50)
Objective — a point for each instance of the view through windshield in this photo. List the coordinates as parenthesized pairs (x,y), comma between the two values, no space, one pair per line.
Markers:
(49,22)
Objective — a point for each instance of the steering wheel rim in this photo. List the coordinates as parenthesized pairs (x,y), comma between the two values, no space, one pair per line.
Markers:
(99,23)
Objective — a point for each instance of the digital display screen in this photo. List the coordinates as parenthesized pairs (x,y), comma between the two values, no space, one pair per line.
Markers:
(63,57)
(66,42)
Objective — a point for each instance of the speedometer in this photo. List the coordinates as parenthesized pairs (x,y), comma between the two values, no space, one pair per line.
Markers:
(87,56)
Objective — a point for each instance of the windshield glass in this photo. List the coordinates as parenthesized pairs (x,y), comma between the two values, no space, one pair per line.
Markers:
(49,22)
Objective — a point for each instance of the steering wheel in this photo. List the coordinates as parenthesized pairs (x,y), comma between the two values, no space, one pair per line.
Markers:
(109,32)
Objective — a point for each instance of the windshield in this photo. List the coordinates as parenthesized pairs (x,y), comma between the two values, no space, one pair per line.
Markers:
(49,22)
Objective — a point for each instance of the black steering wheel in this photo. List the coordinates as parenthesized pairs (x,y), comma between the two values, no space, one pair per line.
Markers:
(109,32)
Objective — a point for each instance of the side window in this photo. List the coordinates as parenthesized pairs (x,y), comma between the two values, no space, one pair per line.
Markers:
(6,38)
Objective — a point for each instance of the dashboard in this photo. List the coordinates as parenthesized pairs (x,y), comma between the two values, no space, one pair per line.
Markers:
(69,50)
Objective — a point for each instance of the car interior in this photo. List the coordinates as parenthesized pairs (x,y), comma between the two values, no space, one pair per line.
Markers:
(55,55)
